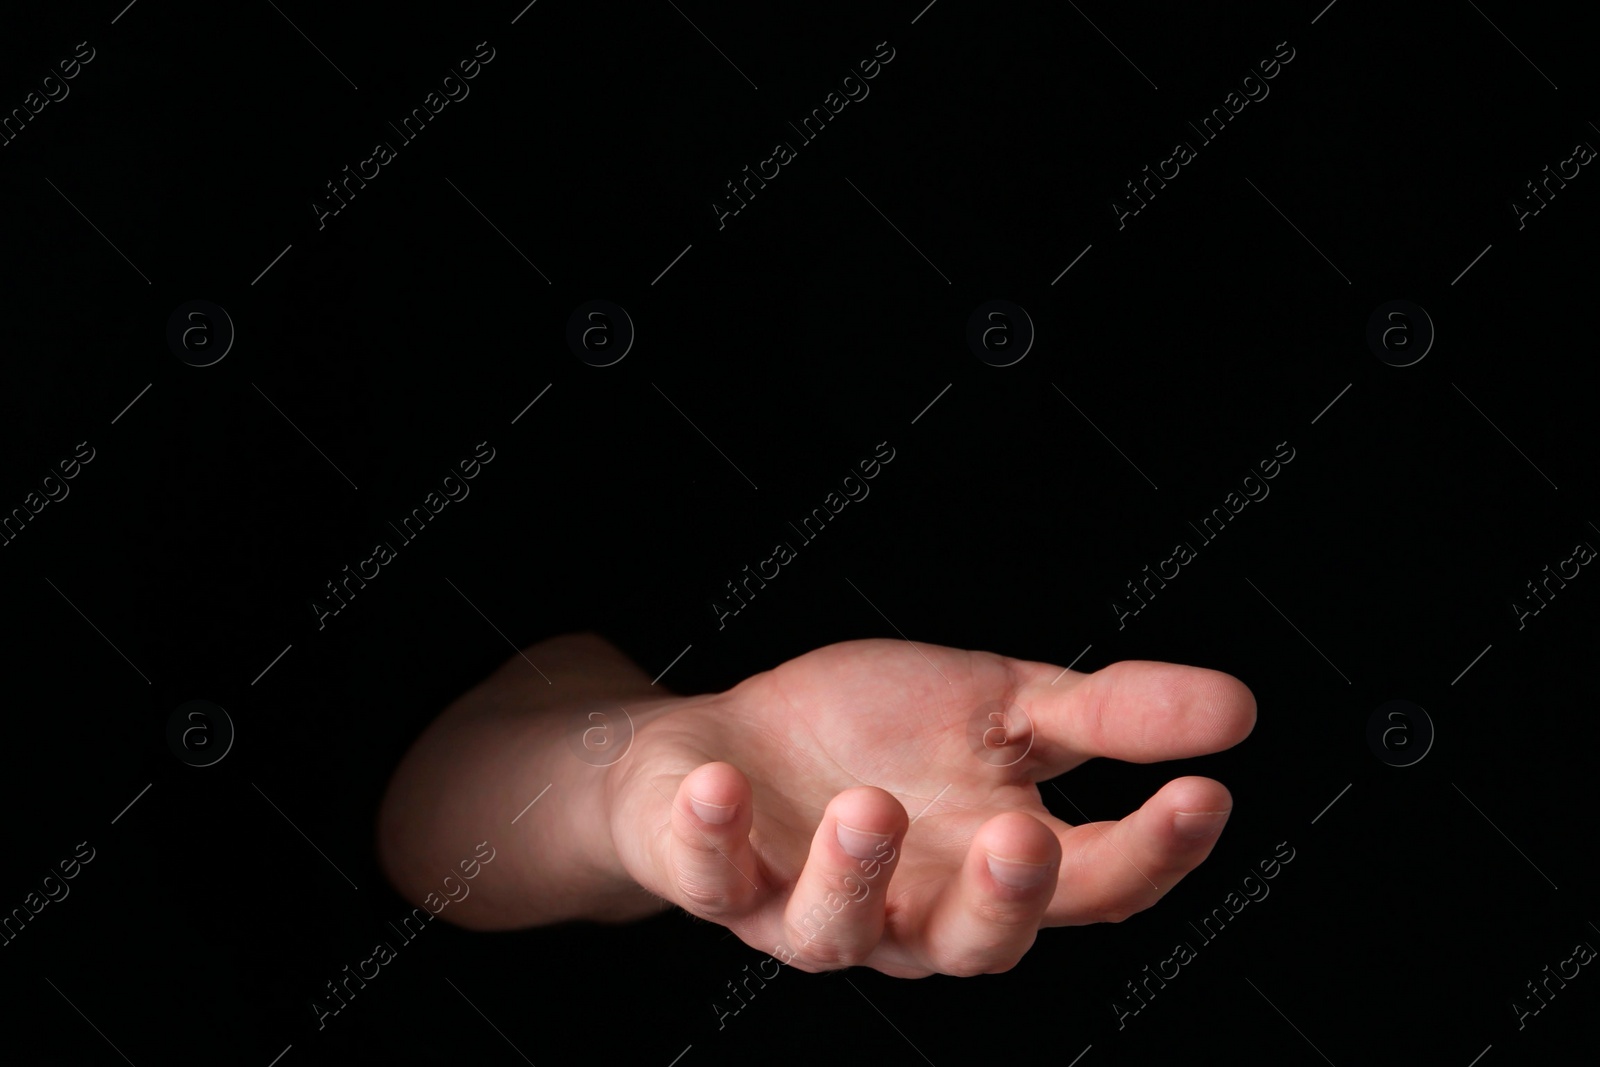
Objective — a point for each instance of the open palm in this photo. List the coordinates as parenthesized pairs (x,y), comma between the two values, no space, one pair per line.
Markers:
(877,802)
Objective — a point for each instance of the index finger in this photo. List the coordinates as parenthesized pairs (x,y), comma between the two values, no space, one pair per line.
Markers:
(1136,710)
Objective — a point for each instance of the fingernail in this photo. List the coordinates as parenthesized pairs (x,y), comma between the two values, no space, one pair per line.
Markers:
(1197,825)
(715,814)
(1015,873)
(860,843)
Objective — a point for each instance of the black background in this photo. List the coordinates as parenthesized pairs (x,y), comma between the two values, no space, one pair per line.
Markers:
(1197,337)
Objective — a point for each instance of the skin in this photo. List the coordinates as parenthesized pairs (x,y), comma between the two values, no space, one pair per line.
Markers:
(729,805)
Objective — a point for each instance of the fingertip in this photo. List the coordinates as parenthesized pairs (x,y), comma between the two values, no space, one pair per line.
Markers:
(1195,809)
(715,792)
(864,817)
(1235,706)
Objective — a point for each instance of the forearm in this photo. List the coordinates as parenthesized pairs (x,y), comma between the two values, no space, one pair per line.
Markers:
(473,774)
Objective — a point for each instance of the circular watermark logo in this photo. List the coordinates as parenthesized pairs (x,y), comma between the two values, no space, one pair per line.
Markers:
(1400,333)
(1000,333)
(199,733)
(600,333)
(1000,734)
(1399,733)
(602,738)
(200,333)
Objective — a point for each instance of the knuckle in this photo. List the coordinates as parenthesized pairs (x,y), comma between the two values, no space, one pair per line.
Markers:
(819,951)
(703,896)
(1004,914)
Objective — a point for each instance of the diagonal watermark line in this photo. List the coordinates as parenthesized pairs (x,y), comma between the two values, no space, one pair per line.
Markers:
(532,402)
(88,1020)
(1113,44)
(524,11)
(1102,433)
(1300,632)
(713,44)
(1469,666)
(132,402)
(273,664)
(1080,1056)
(302,433)
(1073,664)
(702,433)
(499,231)
(313,44)
(1331,803)
(280,1056)
(899,231)
(499,631)
(928,805)
(101,232)
(887,1020)
(1301,232)
(1513,44)
(710,842)
(131,803)
(1502,833)
(1074,263)
(674,263)
(669,666)
(97,629)
(124,11)
(932,402)
(1479,1056)
(268,267)
(924,11)
(1332,402)
(899,631)
(302,833)
(1288,1020)
(531,803)
(1324,11)
(1103,837)
(680,1055)
(1501,432)
(490,1022)
(1474,262)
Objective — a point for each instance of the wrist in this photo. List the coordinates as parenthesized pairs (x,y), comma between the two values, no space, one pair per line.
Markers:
(598,763)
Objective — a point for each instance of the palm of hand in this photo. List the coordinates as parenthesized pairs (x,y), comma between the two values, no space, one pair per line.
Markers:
(915,743)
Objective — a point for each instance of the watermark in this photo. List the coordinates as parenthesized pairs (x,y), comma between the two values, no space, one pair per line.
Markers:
(1255,890)
(1000,333)
(16,121)
(12,925)
(1400,333)
(453,488)
(813,923)
(600,333)
(1000,734)
(1211,126)
(410,128)
(1399,733)
(1582,953)
(1253,488)
(200,733)
(200,333)
(1582,154)
(854,488)
(854,89)
(383,953)
(601,740)
(54,488)
(1565,571)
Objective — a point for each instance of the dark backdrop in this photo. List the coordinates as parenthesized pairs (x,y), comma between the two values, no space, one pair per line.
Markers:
(1173,349)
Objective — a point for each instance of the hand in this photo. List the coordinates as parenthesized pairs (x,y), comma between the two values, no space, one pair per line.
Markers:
(858,806)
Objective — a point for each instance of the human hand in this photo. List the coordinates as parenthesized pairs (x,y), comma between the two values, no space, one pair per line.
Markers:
(854,805)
